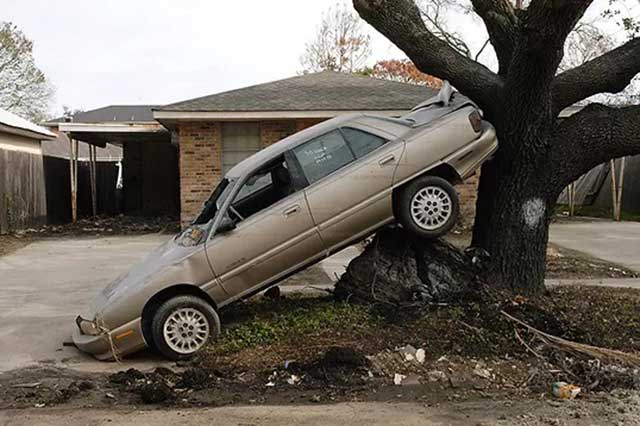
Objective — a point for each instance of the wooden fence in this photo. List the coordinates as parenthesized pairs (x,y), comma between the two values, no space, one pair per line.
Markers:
(22,191)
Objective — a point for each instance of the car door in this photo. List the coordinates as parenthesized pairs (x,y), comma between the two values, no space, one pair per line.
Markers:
(267,245)
(350,172)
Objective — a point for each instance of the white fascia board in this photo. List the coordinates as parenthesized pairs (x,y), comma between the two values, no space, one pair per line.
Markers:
(112,127)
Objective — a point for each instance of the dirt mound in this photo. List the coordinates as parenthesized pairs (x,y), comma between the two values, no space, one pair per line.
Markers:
(337,367)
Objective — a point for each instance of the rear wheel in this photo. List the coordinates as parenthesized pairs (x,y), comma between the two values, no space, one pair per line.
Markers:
(428,206)
(183,325)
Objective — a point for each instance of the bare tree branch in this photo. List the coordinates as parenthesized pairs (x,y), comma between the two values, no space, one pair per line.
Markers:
(538,52)
(341,44)
(401,22)
(611,72)
(590,137)
(502,24)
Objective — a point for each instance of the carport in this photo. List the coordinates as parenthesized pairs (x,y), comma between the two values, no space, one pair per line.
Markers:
(150,161)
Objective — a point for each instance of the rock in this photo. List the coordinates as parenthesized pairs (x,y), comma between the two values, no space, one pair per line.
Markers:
(420,355)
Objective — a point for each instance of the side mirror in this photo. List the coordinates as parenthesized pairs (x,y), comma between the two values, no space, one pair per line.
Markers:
(226,224)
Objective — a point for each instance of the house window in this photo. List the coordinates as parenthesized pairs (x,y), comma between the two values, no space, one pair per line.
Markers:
(240,140)
(323,155)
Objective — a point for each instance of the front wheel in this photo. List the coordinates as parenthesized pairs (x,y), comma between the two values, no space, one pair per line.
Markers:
(428,207)
(183,325)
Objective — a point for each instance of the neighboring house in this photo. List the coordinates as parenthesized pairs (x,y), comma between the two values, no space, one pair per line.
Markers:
(56,155)
(594,187)
(215,132)
(149,161)
(22,184)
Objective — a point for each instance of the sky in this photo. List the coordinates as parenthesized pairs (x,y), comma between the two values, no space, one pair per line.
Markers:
(99,53)
(155,52)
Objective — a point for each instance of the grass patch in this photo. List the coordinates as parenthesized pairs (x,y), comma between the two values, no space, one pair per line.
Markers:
(267,322)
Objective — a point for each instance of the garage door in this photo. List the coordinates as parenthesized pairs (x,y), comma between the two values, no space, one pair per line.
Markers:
(239,141)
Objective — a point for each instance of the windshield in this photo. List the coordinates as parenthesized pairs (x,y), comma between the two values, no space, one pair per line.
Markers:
(213,204)
(196,233)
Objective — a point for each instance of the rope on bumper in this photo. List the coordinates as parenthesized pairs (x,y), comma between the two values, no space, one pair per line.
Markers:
(106,333)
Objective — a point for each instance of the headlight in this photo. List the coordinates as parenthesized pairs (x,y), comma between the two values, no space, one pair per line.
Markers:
(87,327)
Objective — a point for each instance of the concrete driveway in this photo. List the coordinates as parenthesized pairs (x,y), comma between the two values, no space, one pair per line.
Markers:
(616,242)
(44,286)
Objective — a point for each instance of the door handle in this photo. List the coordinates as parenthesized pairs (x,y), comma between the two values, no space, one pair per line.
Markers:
(291,210)
(387,160)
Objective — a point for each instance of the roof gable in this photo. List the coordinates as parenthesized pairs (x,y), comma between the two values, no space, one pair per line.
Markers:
(323,91)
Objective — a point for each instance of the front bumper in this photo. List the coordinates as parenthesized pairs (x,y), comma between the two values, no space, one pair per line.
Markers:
(111,344)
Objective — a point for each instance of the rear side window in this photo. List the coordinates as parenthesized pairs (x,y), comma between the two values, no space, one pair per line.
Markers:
(323,155)
(361,142)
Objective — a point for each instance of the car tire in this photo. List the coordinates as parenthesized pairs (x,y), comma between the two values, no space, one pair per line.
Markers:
(183,325)
(428,207)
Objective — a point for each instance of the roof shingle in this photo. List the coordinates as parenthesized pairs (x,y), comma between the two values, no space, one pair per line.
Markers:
(323,91)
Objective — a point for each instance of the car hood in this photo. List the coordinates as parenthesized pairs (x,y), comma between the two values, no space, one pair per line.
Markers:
(154,263)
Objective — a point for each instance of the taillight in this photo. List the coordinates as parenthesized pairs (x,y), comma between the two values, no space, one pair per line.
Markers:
(476,121)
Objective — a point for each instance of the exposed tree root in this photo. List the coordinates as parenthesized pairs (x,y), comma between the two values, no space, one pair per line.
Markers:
(398,269)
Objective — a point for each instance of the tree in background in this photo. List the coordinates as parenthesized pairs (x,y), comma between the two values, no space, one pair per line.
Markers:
(538,153)
(24,89)
(341,43)
(403,71)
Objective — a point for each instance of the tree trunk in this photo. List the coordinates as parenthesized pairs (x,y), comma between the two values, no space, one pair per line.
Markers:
(512,225)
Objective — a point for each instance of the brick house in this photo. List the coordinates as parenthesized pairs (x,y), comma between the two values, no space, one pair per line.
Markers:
(215,132)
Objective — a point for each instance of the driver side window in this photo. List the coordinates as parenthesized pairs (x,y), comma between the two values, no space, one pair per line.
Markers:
(261,190)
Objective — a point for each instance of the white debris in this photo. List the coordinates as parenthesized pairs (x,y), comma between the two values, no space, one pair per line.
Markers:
(270,384)
(39,405)
(420,355)
(482,372)
(293,380)
(563,390)
(409,352)
(398,378)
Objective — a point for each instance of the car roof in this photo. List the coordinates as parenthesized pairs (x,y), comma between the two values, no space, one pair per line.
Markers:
(290,142)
